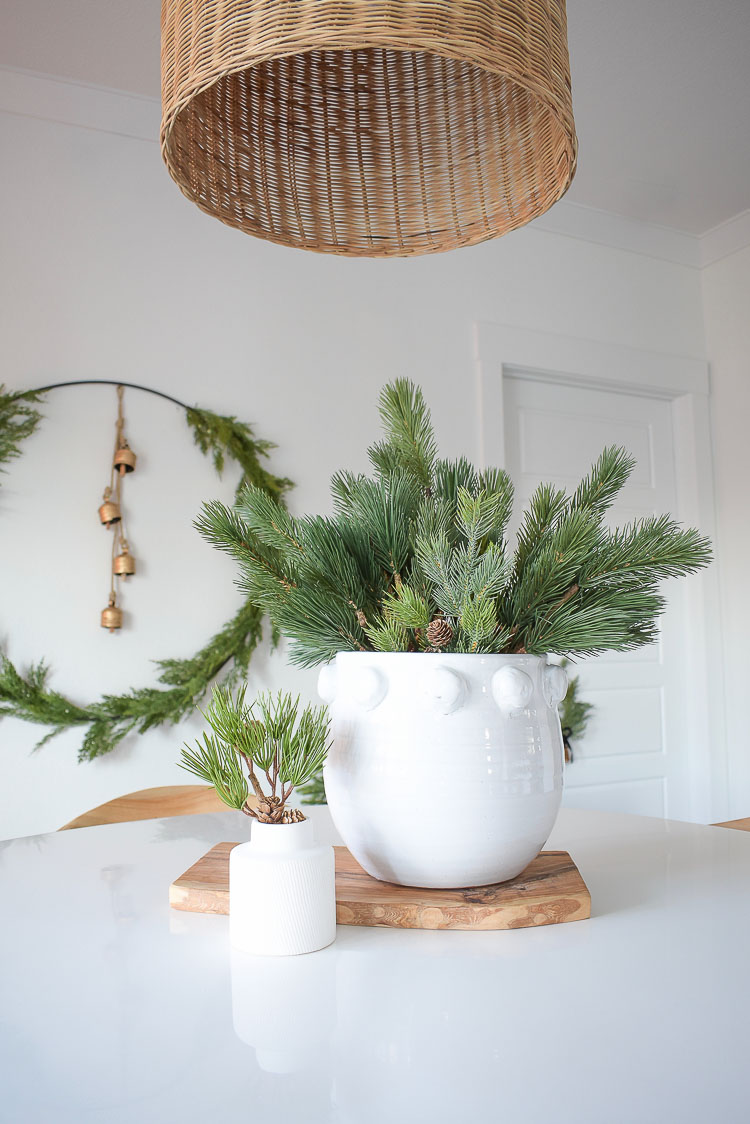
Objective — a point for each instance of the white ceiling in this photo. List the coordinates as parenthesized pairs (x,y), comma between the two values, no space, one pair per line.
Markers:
(661,92)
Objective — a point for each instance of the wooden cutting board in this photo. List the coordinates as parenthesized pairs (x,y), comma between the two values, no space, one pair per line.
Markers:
(548,892)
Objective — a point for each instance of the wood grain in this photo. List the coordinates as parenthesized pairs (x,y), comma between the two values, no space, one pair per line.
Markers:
(152,803)
(550,891)
(738,825)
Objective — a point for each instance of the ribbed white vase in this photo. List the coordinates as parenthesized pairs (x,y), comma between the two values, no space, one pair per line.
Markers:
(282,891)
(445,770)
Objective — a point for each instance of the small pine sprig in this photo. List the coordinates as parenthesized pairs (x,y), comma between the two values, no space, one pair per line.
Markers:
(270,740)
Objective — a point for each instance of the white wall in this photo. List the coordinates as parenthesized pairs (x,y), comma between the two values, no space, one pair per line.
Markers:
(108,272)
(726,288)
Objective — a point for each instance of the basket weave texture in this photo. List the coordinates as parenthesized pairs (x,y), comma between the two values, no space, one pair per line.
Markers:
(368,128)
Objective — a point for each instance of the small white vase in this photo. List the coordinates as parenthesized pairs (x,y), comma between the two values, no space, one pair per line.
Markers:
(446,770)
(282,891)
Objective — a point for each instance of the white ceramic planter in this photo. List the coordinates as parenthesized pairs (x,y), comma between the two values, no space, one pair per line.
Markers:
(282,892)
(445,770)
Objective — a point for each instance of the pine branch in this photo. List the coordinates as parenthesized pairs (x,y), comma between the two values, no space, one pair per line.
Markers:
(314,791)
(386,634)
(652,548)
(450,477)
(270,523)
(600,488)
(408,608)
(408,430)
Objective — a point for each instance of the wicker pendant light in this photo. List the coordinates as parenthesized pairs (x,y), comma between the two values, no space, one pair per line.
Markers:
(368,127)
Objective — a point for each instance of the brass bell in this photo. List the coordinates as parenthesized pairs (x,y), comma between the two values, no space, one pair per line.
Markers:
(112,616)
(109,513)
(124,564)
(124,459)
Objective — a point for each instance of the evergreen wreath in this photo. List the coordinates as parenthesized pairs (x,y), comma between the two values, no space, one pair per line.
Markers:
(185,681)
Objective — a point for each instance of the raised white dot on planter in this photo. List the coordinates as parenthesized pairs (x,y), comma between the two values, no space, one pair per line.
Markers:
(554,684)
(327,683)
(369,687)
(445,689)
(512,689)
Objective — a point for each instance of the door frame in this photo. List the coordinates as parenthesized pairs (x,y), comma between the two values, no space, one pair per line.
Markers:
(683,381)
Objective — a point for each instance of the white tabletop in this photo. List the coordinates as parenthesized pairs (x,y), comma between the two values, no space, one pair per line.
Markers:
(115,1008)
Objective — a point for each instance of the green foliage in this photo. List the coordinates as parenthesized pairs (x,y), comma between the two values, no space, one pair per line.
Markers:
(409,444)
(220,437)
(314,791)
(574,712)
(185,681)
(18,420)
(216,762)
(28,698)
(424,540)
(271,738)
(407,607)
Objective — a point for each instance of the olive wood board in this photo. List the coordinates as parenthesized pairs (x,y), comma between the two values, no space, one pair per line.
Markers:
(548,892)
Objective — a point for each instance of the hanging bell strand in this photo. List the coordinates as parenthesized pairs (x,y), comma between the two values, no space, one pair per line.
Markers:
(110,514)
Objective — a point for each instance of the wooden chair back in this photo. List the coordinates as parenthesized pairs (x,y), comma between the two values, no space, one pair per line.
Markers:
(152,803)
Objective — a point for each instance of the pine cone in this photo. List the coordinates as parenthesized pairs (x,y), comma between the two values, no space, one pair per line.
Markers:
(271,810)
(292,815)
(439,633)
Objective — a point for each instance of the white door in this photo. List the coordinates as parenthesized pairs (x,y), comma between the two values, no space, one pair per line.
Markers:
(632,757)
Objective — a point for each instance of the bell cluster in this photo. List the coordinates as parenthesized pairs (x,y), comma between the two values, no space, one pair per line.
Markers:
(111,517)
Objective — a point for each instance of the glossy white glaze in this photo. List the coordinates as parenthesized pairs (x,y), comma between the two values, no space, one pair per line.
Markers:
(282,894)
(446,770)
(115,1009)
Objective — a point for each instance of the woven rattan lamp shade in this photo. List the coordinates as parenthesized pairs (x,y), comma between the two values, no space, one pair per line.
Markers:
(368,128)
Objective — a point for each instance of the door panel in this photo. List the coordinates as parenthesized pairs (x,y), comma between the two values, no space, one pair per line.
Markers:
(629,759)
